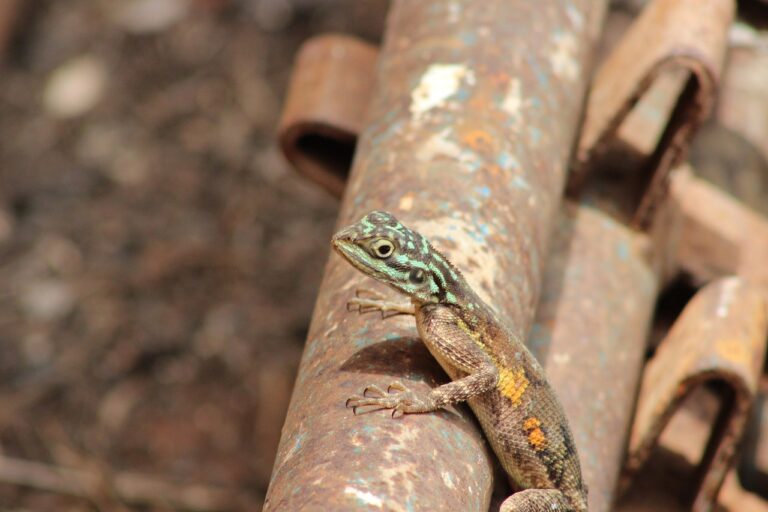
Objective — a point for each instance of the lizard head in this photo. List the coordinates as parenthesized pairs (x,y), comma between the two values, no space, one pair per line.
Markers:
(381,247)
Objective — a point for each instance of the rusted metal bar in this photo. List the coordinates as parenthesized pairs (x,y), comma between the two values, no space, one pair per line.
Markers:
(467,140)
(718,235)
(718,340)
(753,468)
(594,321)
(668,65)
(590,334)
(10,14)
(743,103)
(325,106)
(738,162)
(676,241)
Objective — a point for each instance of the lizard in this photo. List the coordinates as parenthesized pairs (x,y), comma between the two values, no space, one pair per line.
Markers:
(490,367)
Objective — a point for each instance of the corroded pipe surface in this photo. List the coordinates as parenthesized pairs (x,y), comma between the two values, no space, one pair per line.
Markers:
(473,117)
(590,333)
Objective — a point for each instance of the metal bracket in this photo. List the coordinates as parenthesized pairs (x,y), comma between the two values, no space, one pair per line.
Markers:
(674,50)
(719,339)
(328,96)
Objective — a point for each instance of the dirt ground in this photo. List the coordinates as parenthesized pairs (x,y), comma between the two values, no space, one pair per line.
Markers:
(158,259)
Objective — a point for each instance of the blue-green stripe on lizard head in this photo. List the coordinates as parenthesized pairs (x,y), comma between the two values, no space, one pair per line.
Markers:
(382,247)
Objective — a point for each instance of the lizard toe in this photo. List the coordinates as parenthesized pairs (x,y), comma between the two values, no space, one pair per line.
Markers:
(373,388)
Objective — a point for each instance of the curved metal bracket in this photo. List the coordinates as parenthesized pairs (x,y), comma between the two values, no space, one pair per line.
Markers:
(674,49)
(719,339)
(330,90)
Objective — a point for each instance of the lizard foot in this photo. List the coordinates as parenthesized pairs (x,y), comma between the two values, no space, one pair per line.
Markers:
(375,398)
(374,301)
(538,500)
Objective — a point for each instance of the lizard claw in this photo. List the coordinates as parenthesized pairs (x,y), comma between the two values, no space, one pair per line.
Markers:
(363,306)
(399,386)
(361,293)
(376,398)
(376,389)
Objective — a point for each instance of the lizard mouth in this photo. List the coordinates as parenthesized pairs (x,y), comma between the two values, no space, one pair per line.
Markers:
(349,251)
(355,255)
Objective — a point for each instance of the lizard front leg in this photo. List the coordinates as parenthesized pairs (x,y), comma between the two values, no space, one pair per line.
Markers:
(458,350)
(408,402)
(374,301)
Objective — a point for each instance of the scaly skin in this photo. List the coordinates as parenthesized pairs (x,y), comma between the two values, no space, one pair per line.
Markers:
(490,368)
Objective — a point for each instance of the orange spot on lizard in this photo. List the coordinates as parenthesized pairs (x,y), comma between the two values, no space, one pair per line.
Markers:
(536,437)
(512,384)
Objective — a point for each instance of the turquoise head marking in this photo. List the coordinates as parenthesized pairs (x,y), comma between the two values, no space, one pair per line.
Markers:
(380,246)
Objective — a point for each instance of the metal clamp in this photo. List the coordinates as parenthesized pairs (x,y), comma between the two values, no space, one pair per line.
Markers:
(325,106)
(718,340)
(684,38)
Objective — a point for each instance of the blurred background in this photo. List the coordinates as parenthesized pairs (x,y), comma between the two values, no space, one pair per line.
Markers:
(158,260)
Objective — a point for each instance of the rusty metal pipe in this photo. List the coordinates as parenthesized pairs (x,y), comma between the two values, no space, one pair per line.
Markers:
(590,334)
(467,140)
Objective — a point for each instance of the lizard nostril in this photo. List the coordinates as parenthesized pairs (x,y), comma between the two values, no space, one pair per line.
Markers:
(345,235)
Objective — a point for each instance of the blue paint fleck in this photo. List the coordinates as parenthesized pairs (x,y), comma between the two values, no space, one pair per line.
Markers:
(484,191)
(535,134)
(477,237)
(622,249)
(506,160)
(309,348)
(383,135)
(297,443)
(539,341)
(540,73)
(362,342)
(469,38)
(520,182)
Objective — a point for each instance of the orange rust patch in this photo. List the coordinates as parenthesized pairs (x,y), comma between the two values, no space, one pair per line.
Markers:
(735,350)
(512,384)
(477,139)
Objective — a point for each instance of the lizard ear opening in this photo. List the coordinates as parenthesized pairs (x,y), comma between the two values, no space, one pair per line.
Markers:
(417,276)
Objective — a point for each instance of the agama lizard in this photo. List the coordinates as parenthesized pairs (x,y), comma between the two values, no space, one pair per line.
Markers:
(490,368)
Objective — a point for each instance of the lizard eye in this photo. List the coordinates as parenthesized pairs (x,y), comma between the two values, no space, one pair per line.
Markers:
(382,248)
(417,276)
